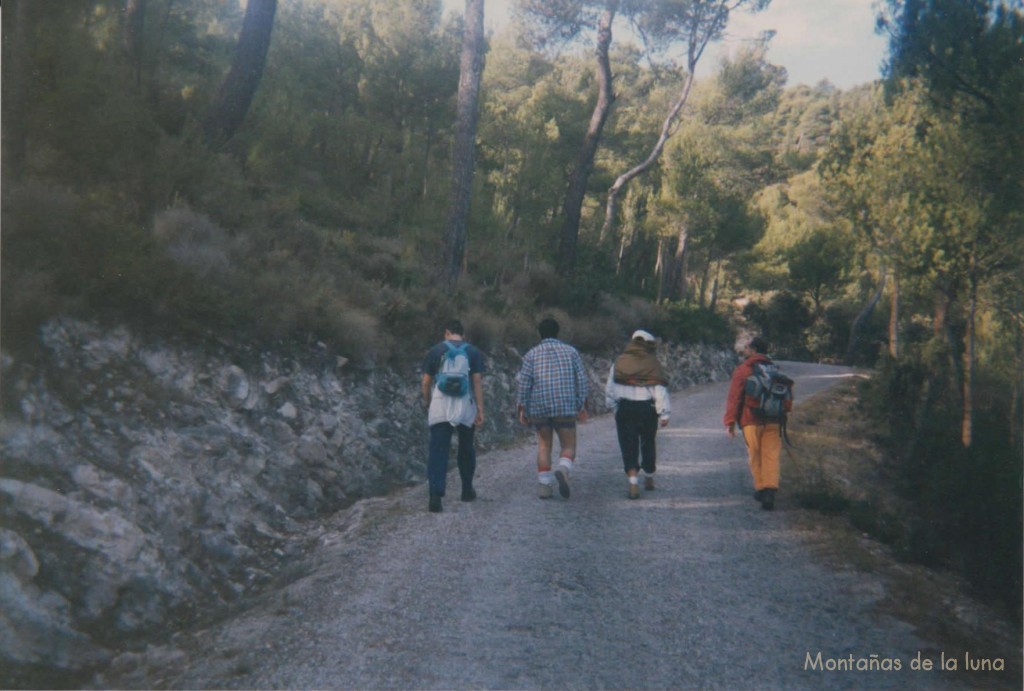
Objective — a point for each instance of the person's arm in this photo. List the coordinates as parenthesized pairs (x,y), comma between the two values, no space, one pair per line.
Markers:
(524,380)
(426,387)
(583,386)
(478,394)
(662,404)
(609,389)
(734,401)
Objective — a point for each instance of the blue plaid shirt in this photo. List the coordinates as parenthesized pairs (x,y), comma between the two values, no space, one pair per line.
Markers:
(552,381)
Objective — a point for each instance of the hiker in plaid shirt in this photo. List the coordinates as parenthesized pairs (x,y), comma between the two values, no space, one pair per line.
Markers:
(551,395)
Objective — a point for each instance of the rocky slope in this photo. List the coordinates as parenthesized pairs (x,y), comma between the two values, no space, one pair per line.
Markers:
(147,484)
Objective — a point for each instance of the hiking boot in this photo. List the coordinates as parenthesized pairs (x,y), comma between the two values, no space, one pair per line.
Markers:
(435,503)
(545,491)
(648,483)
(758,494)
(634,490)
(768,499)
(468,494)
(563,482)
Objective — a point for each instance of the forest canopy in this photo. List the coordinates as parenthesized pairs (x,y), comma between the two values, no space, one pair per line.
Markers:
(191,163)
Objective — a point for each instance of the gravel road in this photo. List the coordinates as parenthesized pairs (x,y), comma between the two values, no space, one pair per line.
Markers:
(691,586)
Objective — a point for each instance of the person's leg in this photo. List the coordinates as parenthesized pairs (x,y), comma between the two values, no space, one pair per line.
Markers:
(467,461)
(629,440)
(545,438)
(771,449)
(648,433)
(629,443)
(437,462)
(566,431)
(765,445)
(752,437)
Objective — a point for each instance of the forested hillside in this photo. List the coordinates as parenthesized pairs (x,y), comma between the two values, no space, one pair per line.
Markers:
(349,172)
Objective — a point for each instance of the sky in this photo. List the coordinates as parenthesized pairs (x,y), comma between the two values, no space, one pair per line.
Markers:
(814,40)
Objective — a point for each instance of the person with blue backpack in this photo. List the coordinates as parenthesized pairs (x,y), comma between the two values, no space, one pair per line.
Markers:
(759,398)
(452,386)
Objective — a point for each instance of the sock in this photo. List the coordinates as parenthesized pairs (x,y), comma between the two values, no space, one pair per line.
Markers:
(633,480)
(646,474)
(565,463)
(545,477)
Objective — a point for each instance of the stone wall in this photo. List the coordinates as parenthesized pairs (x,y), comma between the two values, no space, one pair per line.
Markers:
(145,484)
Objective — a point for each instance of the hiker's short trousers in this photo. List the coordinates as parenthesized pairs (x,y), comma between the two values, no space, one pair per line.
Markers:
(560,422)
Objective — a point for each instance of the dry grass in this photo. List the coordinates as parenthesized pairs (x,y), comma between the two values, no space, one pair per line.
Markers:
(841,481)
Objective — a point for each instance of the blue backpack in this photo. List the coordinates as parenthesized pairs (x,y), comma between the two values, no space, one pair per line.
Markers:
(453,376)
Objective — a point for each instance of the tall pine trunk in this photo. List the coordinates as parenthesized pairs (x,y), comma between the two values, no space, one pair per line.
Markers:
(16,33)
(713,300)
(662,268)
(676,274)
(1017,397)
(471,65)
(134,23)
(577,190)
(857,327)
(239,87)
(967,421)
(894,318)
(612,205)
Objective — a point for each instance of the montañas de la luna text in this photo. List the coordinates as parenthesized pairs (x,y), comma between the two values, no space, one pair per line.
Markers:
(876,663)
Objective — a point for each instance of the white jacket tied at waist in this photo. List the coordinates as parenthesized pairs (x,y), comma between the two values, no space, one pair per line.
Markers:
(614,392)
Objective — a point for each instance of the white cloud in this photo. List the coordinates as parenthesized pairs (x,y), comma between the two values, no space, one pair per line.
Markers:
(815,39)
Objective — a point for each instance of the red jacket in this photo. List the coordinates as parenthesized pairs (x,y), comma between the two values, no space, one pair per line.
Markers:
(736,412)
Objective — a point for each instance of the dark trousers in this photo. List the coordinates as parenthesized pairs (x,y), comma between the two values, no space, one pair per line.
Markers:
(437,459)
(637,425)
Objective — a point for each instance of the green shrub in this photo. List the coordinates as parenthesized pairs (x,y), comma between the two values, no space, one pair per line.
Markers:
(968,499)
(684,323)
(825,500)
(65,255)
(783,321)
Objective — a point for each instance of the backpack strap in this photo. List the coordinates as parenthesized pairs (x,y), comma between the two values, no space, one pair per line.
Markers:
(784,432)
(455,350)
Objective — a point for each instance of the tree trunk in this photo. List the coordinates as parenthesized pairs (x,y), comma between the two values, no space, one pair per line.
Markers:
(705,277)
(662,268)
(426,177)
(675,274)
(943,330)
(577,190)
(134,23)
(1017,402)
(612,206)
(471,65)
(967,423)
(713,300)
(239,87)
(894,318)
(860,320)
(624,242)
(16,32)
(700,23)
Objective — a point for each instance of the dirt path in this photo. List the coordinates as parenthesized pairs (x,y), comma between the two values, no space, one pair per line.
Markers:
(692,586)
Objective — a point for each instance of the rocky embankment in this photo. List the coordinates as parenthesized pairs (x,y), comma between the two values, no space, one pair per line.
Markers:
(147,484)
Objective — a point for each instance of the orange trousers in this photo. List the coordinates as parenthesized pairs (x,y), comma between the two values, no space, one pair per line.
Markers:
(764,446)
